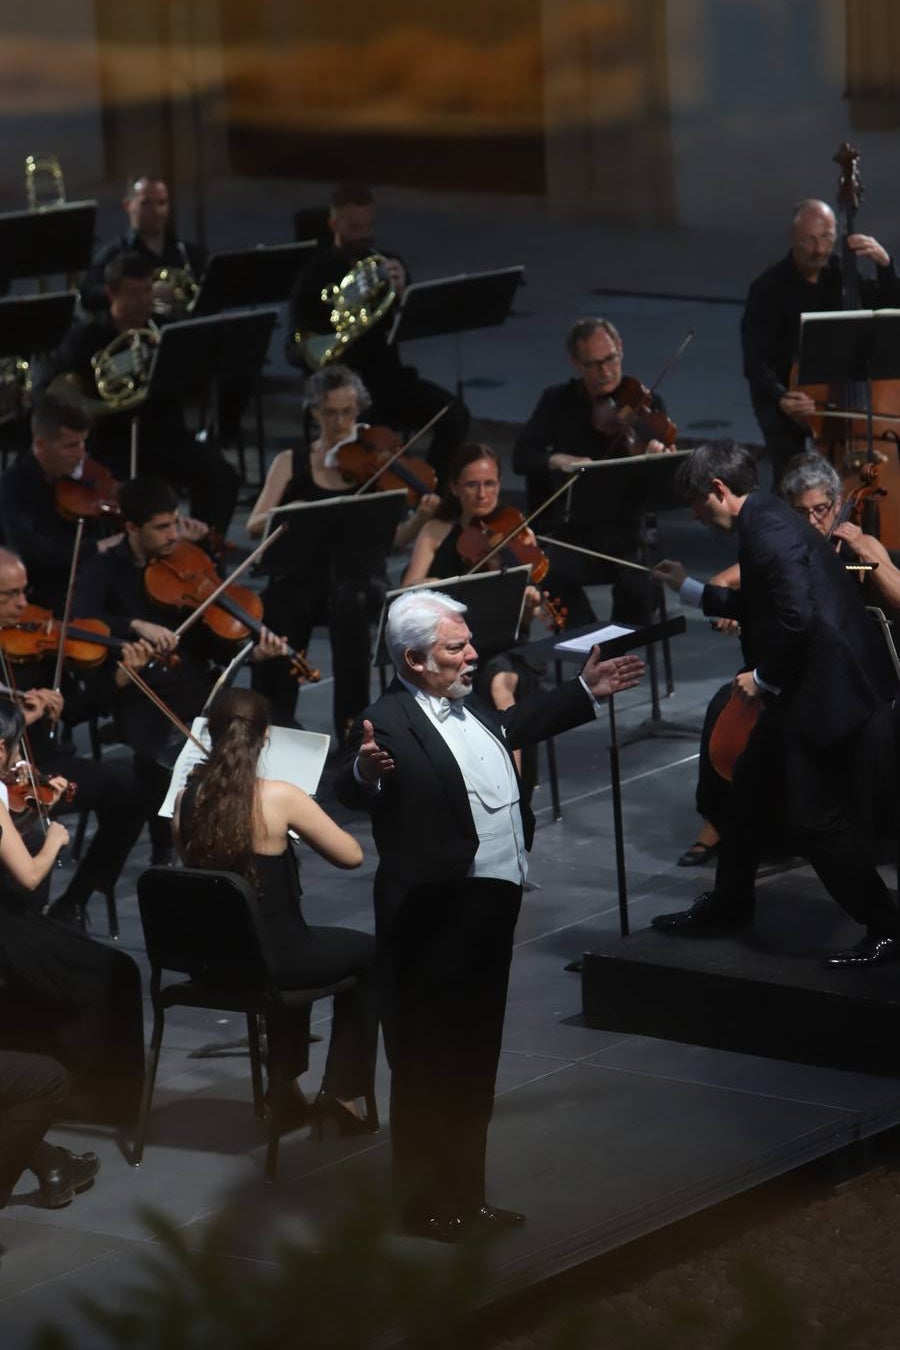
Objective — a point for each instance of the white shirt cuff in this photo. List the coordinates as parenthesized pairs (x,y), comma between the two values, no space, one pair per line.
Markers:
(363,783)
(691,592)
(769,688)
(597,705)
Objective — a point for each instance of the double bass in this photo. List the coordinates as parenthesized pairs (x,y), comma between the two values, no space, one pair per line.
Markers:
(862,451)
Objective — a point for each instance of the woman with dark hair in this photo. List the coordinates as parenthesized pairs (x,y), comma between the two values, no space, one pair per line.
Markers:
(342,588)
(64,995)
(228,818)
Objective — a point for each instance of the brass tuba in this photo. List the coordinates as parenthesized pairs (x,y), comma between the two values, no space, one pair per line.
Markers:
(122,369)
(36,166)
(358,301)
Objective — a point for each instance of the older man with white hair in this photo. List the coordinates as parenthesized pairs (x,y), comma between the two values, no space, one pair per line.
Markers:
(435,770)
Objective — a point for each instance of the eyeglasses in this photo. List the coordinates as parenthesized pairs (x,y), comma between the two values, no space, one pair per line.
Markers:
(483,485)
(609,360)
(818,511)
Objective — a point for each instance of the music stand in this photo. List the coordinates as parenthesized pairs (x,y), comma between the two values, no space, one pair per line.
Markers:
(494,602)
(246,278)
(847,347)
(454,305)
(35,323)
(352,528)
(648,479)
(41,243)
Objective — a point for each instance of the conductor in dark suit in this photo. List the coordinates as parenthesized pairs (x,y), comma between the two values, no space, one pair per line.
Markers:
(435,770)
(812,659)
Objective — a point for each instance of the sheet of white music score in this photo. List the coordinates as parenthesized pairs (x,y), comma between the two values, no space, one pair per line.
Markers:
(296,757)
(589,640)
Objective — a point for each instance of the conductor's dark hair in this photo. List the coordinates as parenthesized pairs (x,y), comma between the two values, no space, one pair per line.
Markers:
(142,498)
(351,194)
(726,460)
(52,414)
(130,266)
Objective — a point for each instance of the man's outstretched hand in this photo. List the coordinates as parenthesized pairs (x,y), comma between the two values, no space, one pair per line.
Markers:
(372,762)
(611,677)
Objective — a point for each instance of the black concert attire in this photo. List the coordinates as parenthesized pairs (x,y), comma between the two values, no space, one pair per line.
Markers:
(344,591)
(32,1093)
(78,1000)
(111,587)
(166,447)
(444,921)
(309,958)
(770,335)
(400,397)
(34,528)
(561,423)
(175,253)
(805,632)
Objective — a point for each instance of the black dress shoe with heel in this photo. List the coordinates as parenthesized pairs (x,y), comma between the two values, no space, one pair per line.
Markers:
(710,915)
(69,1174)
(872,950)
(328,1107)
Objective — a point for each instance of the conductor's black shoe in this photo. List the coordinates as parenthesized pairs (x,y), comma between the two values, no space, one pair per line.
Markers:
(72,1172)
(869,951)
(708,915)
(493,1219)
(441,1227)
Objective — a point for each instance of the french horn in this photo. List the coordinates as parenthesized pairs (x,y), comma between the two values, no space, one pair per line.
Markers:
(175,290)
(37,168)
(122,368)
(359,300)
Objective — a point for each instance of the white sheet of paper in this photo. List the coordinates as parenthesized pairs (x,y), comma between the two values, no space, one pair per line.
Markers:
(589,640)
(296,757)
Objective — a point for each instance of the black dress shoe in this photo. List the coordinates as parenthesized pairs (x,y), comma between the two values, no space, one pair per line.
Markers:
(698,855)
(709,914)
(72,1172)
(492,1218)
(328,1107)
(869,951)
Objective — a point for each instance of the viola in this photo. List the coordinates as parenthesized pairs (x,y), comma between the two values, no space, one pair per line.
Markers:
(628,420)
(92,496)
(187,576)
(505,526)
(36,635)
(371,458)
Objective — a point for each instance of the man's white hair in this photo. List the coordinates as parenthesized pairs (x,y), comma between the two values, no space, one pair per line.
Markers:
(413,619)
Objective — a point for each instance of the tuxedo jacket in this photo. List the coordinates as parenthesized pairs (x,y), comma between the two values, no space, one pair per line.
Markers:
(804,627)
(421,820)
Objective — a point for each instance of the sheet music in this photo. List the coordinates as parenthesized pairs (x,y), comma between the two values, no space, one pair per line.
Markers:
(296,757)
(595,638)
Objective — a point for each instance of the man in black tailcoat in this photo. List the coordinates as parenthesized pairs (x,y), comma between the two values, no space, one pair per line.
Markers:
(435,771)
(812,663)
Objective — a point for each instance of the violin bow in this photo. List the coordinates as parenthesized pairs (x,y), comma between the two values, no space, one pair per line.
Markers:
(401,451)
(66,618)
(676,356)
(592,553)
(161,705)
(511,534)
(238,571)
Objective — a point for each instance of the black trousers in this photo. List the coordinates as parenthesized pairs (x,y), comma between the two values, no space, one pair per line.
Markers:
(444,961)
(633,598)
(111,789)
(783,437)
(32,1092)
(781,773)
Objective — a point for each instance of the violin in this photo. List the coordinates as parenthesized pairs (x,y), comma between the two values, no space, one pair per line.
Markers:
(187,576)
(505,535)
(29,790)
(94,495)
(371,459)
(37,633)
(628,420)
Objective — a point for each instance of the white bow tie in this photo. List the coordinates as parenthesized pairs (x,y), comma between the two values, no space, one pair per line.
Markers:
(443,707)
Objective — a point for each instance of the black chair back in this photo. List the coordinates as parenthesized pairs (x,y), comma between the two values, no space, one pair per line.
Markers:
(203,924)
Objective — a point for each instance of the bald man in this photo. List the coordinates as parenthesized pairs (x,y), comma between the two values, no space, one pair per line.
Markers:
(808,279)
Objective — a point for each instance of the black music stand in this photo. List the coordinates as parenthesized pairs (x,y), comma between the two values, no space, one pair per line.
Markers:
(454,305)
(354,528)
(247,278)
(648,479)
(41,243)
(35,323)
(494,601)
(850,347)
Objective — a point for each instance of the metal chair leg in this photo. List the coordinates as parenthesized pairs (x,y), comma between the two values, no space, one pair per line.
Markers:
(140,1132)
